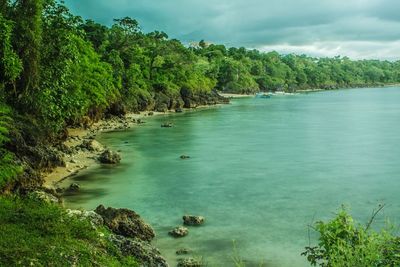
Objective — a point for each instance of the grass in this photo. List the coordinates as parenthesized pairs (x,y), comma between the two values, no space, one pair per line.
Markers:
(40,234)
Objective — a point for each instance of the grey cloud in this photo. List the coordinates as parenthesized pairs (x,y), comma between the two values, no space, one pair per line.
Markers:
(262,23)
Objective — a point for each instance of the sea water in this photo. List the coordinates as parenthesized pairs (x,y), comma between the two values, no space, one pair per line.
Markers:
(260,171)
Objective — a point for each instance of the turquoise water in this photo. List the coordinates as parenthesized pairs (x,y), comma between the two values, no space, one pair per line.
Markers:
(260,171)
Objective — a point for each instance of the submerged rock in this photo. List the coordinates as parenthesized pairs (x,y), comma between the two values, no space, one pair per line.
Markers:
(167,125)
(185,157)
(183,251)
(179,231)
(190,262)
(193,220)
(126,223)
(144,252)
(110,157)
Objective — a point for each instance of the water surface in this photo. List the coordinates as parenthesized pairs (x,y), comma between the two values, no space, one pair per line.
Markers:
(260,171)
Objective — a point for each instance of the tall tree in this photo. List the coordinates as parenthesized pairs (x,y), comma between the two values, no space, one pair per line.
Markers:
(28,33)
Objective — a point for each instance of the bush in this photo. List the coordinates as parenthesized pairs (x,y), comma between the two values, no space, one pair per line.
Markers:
(342,242)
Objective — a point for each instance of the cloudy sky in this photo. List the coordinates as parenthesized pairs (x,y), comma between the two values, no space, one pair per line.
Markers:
(354,28)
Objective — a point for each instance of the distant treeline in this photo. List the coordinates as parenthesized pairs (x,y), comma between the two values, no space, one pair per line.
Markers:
(56,68)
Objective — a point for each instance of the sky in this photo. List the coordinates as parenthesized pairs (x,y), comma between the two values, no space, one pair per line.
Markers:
(359,29)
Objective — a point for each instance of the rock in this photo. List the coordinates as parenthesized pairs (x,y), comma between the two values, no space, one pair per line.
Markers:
(167,125)
(92,145)
(178,110)
(45,197)
(94,218)
(73,161)
(145,253)
(190,262)
(183,251)
(109,157)
(74,187)
(179,231)
(185,157)
(193,220)
(150,113)
(126,223)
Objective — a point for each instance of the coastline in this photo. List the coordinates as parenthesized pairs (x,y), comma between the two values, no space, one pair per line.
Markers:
(78,159)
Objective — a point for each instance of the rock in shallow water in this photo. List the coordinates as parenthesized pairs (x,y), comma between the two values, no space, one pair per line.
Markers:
(144,252)
(126,223)
(110,157)
(179,231)
(190,262)
(193,220)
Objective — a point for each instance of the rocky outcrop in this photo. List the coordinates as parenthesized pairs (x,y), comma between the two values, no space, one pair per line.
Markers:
(94,218)
(92,145)
(192,100)
(179,231)
(126,223)
(143,252)
(192,220)
(109,157)
(45,197)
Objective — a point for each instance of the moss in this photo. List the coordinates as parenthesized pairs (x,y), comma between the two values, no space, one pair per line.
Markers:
(40,234)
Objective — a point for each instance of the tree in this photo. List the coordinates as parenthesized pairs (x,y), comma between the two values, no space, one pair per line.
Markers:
(27,41)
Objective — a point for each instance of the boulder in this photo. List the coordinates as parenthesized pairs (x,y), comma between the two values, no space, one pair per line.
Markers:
(110,157)
(179,231)
(126,223)
(144,252)
(94,218)
(192,220)
(190,262)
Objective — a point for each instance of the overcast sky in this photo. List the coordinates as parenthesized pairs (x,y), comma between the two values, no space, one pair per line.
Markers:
(354,28)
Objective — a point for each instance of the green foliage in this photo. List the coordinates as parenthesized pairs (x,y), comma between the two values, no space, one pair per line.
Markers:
(342,242)
(28,34)
(40,234)
(10,64)
(8,167)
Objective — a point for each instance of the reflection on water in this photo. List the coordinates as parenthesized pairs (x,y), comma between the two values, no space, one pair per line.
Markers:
(260,171)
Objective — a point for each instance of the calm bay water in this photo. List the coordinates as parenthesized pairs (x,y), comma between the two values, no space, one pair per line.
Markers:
(260,171)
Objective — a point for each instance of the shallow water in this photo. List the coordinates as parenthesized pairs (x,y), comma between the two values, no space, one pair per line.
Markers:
(260,171)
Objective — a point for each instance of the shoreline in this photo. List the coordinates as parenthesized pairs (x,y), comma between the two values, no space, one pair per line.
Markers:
(81,159)
(77,158)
